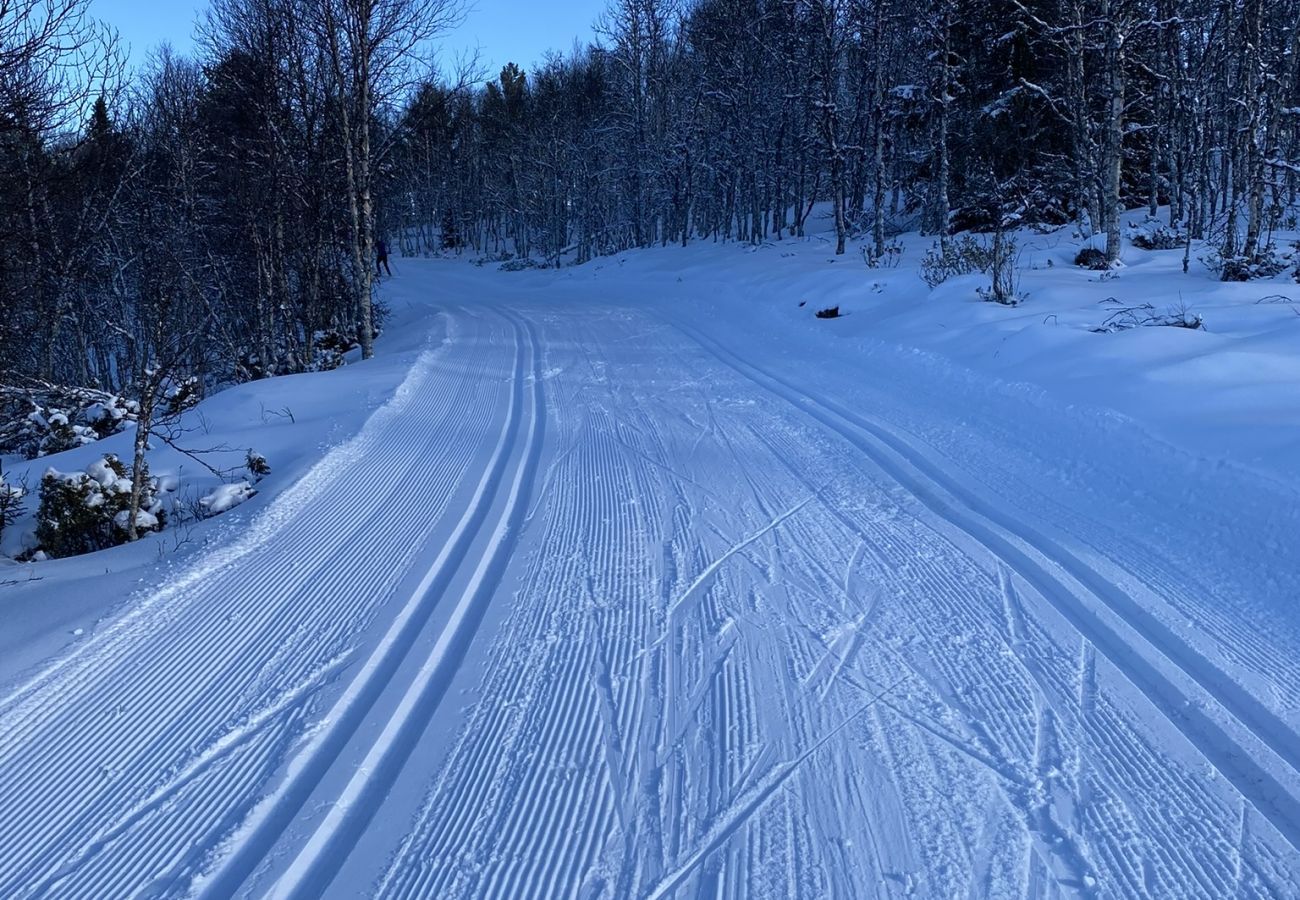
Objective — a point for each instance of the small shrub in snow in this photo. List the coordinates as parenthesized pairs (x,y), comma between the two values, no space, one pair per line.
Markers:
(257,466)
(888,258)
(831,312)
(1005,286)
(490,258)
(1091,258)
(81,512)
(226,497)
(1267,263)
(327,351)
(521,264)
(334,341)
(962,256)
(1122,318)
(329,348)
(1155,235)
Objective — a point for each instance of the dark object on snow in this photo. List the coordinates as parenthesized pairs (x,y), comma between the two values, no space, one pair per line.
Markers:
(1091,258)
(381,257)
(803,303)
(829,313)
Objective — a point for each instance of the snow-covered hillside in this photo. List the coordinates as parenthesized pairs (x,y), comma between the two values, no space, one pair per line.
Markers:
(636,579)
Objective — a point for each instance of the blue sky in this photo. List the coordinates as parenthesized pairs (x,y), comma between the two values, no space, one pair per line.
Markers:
(503,30)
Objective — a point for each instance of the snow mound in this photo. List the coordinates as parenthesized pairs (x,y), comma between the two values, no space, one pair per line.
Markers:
(226,497)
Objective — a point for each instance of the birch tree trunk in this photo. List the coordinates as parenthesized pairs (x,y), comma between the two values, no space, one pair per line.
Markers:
(1113,165)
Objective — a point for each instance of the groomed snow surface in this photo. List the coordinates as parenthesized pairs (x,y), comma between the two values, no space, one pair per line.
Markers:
(637,580)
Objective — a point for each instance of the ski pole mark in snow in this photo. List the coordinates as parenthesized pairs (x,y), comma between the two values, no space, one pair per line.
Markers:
(709,570)
(1276,797)
(750,801)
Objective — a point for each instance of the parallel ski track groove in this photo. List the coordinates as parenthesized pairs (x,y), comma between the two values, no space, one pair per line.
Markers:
(312,870)
(549,821)
(1000,535)
(201,646)
(84,665)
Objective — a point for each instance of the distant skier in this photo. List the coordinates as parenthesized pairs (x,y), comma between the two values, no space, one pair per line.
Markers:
(381,258)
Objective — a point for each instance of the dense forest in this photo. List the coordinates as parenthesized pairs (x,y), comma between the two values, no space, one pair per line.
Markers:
(213,219)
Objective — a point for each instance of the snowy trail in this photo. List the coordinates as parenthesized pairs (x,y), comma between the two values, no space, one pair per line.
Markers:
(639,759)
(600,605)
(240,647)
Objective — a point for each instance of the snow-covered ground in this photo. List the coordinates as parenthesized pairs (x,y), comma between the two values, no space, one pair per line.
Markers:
(637,580)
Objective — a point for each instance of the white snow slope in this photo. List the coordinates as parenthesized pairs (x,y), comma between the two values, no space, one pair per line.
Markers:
(646,584)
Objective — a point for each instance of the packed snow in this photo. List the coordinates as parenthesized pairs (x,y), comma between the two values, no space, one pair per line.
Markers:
(638,579)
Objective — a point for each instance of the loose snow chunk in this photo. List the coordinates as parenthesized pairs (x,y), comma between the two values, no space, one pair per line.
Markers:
(226,497)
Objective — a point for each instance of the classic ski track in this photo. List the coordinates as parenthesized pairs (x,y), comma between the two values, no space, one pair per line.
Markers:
(1223,618)
(229,661)
(980,674)
(1016,545)
(651,733)
(543,843)
(562,822)
(310,872)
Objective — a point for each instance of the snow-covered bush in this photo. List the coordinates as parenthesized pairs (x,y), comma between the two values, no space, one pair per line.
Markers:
(257,466)
(1005,281)
(225,497)
(44,419)
(961,256)
(1091,258)
(521,264)
(1155,235)
(1265,264)
(81,512)
(329,348)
